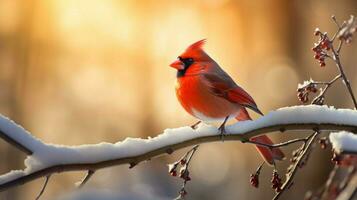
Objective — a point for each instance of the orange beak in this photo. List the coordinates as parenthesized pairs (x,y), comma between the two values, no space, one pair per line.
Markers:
(177,64)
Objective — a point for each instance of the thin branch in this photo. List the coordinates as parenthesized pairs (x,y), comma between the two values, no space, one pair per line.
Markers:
(291,174)
(339,47)
(43,187)
(271,146)
(194,149)
(339,27)
(336,58)
(86,178)
(167,149)
(317,99)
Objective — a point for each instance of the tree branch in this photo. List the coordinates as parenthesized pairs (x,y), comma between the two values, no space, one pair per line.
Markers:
(15,143)
(168,149)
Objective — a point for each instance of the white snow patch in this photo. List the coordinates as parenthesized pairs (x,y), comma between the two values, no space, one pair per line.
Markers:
(344,141)
(47,155)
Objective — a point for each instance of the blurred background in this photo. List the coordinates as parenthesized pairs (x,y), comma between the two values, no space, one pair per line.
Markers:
(88,71)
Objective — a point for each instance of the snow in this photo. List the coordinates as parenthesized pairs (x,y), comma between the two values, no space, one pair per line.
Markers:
(46,155)
(305,83)
(344,141)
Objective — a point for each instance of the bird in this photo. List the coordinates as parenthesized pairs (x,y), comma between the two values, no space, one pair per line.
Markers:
(209,94)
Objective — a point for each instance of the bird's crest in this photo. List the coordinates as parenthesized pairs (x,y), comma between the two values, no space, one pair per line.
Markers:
(195,50)
(197,45)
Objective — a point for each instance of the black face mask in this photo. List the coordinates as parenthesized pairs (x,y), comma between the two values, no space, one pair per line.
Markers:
(187,63)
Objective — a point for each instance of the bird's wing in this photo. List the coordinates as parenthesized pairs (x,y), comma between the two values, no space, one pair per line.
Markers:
(223,86)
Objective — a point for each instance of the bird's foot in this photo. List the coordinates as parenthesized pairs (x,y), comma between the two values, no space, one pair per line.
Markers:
(222,128)
(194,126)
(222,131)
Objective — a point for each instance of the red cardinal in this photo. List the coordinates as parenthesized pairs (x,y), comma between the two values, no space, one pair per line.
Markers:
(210,94)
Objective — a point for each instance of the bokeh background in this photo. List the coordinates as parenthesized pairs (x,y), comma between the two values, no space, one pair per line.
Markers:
(88,71)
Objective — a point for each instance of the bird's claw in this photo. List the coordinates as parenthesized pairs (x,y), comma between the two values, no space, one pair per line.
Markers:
(194,126)
(222,131)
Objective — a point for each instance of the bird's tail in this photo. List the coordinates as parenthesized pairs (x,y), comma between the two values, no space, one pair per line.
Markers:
(268,154)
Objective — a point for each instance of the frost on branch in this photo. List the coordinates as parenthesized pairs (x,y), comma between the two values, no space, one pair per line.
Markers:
(347,29)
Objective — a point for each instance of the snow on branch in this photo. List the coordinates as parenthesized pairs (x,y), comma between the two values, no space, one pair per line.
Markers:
(344,142)
(45,159)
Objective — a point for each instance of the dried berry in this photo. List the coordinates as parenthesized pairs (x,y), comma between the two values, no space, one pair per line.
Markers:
(254,180)
(304,90)
(323,142)
(276,181)
(336,158)
(321,47)
(183,161)
(172,169)
(185,174)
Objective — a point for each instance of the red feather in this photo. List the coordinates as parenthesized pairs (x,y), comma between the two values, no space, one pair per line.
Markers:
(268,154)
(225,87)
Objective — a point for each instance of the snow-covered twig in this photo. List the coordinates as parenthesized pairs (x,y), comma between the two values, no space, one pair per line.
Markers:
(48,159)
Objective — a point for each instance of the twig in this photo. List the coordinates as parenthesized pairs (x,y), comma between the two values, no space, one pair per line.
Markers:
(336,58)
(292,173)
(317,99)
(271,146)
(183,191)
(86,178)
(43,187)
(164,149)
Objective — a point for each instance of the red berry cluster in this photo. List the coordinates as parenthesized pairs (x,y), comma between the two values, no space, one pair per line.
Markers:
(184,173)
(304,90)
(320,48)
(276,181)
(254,180)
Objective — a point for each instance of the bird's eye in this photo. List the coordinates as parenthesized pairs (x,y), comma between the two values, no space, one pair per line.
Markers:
(190,60)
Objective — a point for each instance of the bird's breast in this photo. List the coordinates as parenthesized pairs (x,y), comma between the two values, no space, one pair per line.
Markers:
(196,98)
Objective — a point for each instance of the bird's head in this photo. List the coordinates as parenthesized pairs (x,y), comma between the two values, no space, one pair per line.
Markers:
(192,55)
